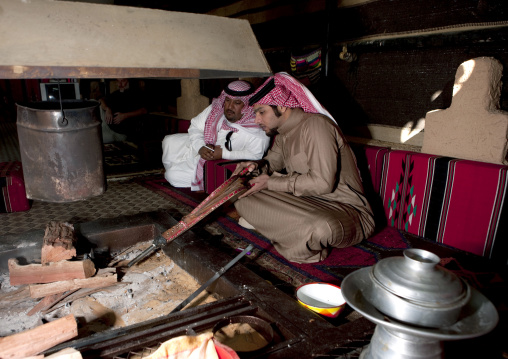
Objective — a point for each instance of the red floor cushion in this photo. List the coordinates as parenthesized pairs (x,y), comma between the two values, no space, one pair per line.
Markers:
(217,172)
(12,185)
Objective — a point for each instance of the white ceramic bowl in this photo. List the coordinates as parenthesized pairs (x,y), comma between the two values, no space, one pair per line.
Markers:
(323,298)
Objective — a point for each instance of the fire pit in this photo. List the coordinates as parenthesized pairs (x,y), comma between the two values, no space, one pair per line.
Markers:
(297,332)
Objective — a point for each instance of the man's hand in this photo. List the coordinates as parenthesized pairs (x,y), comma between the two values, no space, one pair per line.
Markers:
(240,166)
(258,183)
(119,118)
(217,154)
(210,152)
(108,116)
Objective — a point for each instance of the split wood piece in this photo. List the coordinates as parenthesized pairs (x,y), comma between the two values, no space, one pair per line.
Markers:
(52,272)
(104,277)
(48,302)
(80,293)
(58,243)
(17,296)
(34,341)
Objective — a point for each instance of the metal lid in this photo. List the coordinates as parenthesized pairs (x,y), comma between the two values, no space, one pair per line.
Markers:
(418,278)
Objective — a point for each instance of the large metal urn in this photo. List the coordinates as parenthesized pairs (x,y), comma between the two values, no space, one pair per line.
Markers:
(61,150)
(417,304)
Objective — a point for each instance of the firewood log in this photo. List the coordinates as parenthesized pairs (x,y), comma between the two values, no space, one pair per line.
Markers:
(53,272)
(34,341)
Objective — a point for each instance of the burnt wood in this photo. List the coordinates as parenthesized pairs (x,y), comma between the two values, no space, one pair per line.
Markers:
(58,242)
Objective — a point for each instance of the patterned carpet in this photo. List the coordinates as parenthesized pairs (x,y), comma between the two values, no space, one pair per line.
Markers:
(122,197)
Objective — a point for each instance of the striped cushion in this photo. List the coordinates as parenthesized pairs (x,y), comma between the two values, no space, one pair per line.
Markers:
(395,172)
(459,203)
(375,157)
(217,172)
(13,198)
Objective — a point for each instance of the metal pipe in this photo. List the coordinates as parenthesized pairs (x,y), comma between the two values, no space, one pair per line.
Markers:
(212,279)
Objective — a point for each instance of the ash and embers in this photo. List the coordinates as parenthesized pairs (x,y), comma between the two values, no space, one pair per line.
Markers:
(145,291)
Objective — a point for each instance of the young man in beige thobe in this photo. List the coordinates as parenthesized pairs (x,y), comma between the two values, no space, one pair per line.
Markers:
(308,196)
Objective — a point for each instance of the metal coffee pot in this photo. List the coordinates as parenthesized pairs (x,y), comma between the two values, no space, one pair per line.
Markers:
(416,304)
(415,290)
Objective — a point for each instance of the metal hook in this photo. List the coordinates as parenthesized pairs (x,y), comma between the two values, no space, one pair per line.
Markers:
(346,56)
(64,121)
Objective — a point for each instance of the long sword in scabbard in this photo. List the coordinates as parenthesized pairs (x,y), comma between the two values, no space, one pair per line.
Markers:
(230,188)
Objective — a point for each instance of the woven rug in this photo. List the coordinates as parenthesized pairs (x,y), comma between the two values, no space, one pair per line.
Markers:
(268,263)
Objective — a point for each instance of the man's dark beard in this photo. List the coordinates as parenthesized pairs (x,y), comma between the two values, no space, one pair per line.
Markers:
(272,132)
(232,119)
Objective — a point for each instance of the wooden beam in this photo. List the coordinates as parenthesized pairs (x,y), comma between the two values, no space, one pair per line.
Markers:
(39,339)
(53,272)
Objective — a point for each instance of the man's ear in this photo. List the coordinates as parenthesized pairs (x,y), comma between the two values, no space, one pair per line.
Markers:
(284,111)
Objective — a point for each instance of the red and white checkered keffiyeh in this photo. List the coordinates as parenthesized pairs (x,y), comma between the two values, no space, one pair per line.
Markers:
(241,90)
(284,90)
